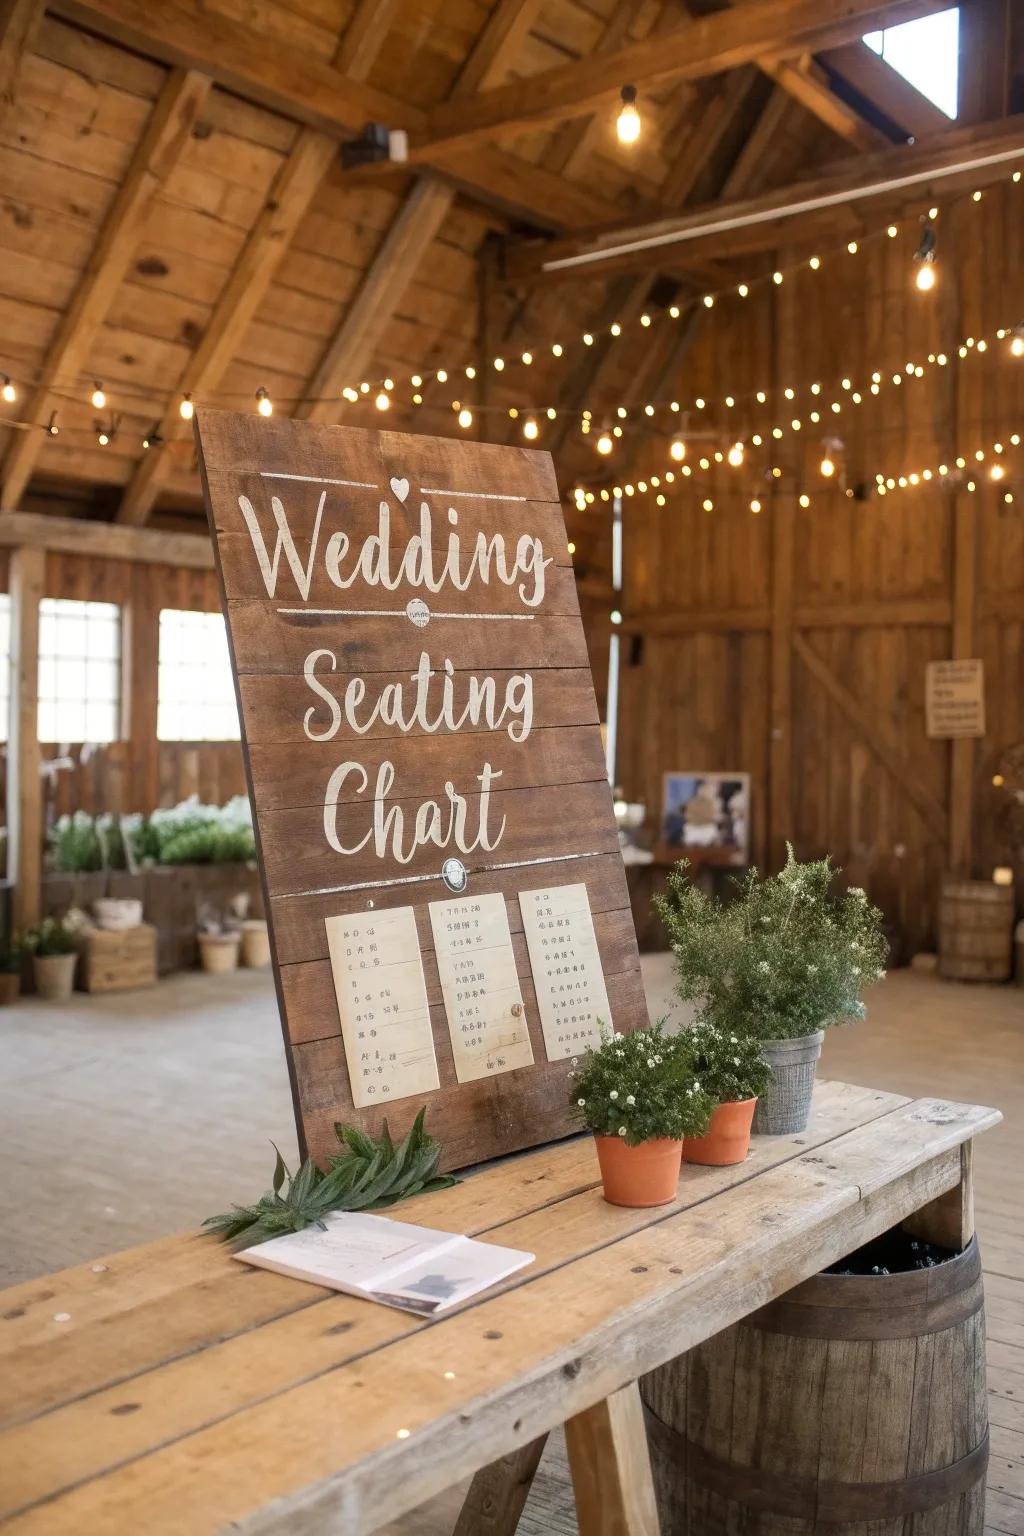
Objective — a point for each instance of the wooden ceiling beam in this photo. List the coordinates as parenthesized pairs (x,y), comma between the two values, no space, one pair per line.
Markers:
(297,182)
(18,21)
(860,191)
(880,84)
(255,65)
(806,82)
(83,536)
(416,225)
(163,142)
(697,48)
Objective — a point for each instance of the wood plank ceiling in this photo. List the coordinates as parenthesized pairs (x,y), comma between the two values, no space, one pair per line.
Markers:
(175,216)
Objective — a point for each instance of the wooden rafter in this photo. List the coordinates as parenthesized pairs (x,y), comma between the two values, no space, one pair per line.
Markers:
(856,195)
(411,232)
(807,83)
(18,21)
(163,142)
(693,50)
(296,184)
(898,100)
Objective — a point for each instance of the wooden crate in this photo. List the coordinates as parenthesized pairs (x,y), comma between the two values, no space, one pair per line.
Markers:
(119,961)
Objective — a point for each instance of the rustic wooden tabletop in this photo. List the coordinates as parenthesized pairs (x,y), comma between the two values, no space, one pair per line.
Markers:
(171,1389)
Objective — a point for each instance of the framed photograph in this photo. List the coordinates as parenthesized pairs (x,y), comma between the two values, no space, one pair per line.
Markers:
(706,817)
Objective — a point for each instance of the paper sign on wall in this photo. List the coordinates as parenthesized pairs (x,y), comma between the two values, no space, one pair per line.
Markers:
(571,993)
(954,698)
(420,729)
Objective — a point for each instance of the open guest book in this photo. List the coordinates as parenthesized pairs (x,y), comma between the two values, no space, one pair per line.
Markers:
(390,1261)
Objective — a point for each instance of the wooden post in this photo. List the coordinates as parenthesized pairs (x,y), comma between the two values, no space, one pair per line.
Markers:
(498,1493)
(140,658)
(783,515)
(949,1220)
(963,398)
(611,1468)
(24,786)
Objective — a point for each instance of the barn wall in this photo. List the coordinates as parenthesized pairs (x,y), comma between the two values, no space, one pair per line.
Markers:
(137,773)
(792,644)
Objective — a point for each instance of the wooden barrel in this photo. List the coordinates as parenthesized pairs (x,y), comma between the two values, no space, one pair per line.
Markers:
(976,930)
(852,1404)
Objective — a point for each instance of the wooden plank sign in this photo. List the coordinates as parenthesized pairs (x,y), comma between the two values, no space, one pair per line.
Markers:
(422,744)
(954,698)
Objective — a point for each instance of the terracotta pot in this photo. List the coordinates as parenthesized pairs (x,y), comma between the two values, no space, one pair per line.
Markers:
(727,1138)
(54,976)
(255,943)
(10,986)
(644,1175)
(219,951)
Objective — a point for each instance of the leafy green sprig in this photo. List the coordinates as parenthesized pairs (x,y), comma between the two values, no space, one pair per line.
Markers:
(640,1086)
(367,1174)
(730,1067)
(783,959)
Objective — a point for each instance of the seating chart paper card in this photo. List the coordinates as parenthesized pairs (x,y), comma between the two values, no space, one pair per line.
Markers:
(418,726)
(567,975)
(382,1002)
(482,995)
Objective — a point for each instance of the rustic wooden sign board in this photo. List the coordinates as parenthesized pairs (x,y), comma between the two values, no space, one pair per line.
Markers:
(416,703)
(954,698)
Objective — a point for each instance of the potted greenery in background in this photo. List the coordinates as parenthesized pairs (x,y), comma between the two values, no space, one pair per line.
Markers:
(780,963)
(731,1068)
(639,1095)
(53,944)
(11,956)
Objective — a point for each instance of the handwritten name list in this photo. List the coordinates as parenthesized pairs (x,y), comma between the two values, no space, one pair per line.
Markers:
(566,966)
(382,1001)
(482,995)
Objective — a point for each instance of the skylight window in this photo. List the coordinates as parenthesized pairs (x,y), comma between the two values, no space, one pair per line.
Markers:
(925,52)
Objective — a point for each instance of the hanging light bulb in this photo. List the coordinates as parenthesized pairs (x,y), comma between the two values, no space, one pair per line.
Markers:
(186,410)
(735,455)
(924,258)
(8,391)
(530,428)
(605,443)
(627,124)
(827,467)
(678,450)
(99,399)
(51,426)
(465,417)
(1016,348)
(152,437)
(102,437)
(997,472)
(264,404)
(383,401)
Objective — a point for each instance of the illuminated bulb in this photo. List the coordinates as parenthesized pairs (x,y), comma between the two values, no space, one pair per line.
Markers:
(530,428)
(615,328)
(499,363)
(736,455)
(678,450)
(556,349)
(627,124)
(755,505)
(976,197)
(1016,348)
(742,290)
(814,263)
(777,278)
(264,404)
(616,431)
(708,504)
(674,311)
(997,472)
(805,500)
(417,399)
(8,391)
(364,388)
(604,443)
(852,247)
(470,372)
(925,277)
(645,319)
(186,410)
(790,394)
(382,401)
(442,375)
(615,615)
(389,383)
(350,393)
(103,437)
(571,546)
(892,231)
(551,413)
(761,397)
(51,426)
(709,301)
(588,340)
(99,399)
(415,381)
(527,358)
(465,417)
(827,467)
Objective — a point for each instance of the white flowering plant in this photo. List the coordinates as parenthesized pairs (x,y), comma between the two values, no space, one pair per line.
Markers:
(640,1086)
(784,958)
(729,1066)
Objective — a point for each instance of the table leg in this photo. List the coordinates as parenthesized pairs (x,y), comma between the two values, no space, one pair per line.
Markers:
(948,1220)
(611,1468)
(498,1493)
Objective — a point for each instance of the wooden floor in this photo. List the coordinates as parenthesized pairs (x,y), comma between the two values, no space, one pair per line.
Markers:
(127,1118)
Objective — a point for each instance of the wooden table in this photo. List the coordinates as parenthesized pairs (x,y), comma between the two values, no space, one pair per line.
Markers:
(170,1389)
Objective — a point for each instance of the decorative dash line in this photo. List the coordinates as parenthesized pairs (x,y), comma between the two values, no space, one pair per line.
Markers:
(480,869)
(362,485)
(440,490)
(398,613)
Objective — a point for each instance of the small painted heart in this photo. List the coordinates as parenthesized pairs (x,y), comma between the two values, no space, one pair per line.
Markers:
(400,488)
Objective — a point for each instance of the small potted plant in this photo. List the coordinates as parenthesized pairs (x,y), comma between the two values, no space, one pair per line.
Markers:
(54,947)
(639,1096)
(731,1068)
(11,956)
(781,962)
